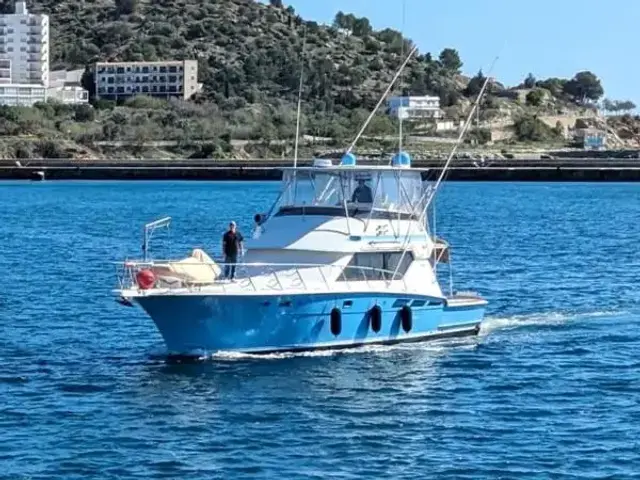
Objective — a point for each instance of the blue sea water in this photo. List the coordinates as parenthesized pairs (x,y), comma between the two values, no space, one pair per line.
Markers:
(550,389)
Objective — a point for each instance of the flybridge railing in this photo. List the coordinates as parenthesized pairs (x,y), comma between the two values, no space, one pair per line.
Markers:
(252,277)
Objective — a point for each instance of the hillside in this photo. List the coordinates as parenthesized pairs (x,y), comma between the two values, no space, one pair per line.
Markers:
(250,56)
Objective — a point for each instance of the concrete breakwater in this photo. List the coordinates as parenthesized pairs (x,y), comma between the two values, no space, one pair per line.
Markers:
(545,170)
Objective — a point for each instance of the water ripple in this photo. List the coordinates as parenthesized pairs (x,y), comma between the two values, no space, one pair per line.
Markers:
(549,389)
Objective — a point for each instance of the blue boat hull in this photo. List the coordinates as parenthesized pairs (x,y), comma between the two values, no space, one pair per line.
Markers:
(266,324)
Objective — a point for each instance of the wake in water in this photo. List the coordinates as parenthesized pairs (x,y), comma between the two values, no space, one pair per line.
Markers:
(496,323)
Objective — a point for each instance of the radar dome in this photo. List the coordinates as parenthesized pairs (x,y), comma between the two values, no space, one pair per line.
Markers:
(401,159)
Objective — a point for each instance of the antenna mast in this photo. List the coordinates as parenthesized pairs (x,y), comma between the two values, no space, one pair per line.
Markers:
(400,108)
(295,149)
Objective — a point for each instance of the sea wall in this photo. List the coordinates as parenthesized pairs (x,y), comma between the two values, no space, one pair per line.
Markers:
(534,170)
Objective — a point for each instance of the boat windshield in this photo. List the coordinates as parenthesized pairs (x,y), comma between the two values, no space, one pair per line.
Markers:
(393,190)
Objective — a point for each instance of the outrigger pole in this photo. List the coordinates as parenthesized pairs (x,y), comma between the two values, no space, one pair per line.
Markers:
(432,192)
(384,95)
(295,149)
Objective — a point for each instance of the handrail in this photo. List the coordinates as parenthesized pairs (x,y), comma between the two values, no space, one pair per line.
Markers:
(248,281)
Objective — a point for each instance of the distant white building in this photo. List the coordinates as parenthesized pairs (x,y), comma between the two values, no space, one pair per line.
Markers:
(415,108)
(24,47)
(66,87)
(22,94)
(171,78)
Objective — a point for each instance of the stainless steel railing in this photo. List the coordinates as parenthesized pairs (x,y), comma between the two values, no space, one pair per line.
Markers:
(256,276)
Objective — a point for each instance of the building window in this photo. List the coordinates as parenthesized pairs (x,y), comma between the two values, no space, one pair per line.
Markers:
(172,88)
(137,69)
(163,89)
(163,69)
(145,69)
(145,89)
(111,89)
(101,90)
(128,69)
(163,79)
(173,79)
(10,49)
(111,70)
(111,80)
(120,70)
(23,22)
(173,69)
(120,89)
(145,79)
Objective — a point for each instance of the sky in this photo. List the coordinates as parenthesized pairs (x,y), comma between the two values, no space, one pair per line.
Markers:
(549,38)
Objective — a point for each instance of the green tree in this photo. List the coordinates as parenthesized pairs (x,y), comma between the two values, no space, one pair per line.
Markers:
(626,105)
(88,82)
(450,60)
(535,97)
(126,7)
(339,21)
(555,85)
(584,86)
(475,85)
(532,129)
(530,81)
(84,113)
(362,27)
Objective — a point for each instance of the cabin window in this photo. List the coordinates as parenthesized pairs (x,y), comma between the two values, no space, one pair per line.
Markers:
(376,266)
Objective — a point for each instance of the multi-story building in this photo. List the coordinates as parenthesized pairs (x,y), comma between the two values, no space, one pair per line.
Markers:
(24,47)
(415,108)
(177,78)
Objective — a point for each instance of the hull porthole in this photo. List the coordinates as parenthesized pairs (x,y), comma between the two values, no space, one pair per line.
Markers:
(375,316)
(406,318)
(336,321)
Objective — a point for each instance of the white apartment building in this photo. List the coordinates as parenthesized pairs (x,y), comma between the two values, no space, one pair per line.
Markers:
(177,78)
(415,108)
(24,47)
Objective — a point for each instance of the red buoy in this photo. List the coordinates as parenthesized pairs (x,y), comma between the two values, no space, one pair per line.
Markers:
(146,279)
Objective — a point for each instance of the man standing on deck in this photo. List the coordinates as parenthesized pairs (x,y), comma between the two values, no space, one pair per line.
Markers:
(231,245)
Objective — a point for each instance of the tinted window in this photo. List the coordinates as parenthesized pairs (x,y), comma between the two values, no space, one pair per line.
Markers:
(376,266)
